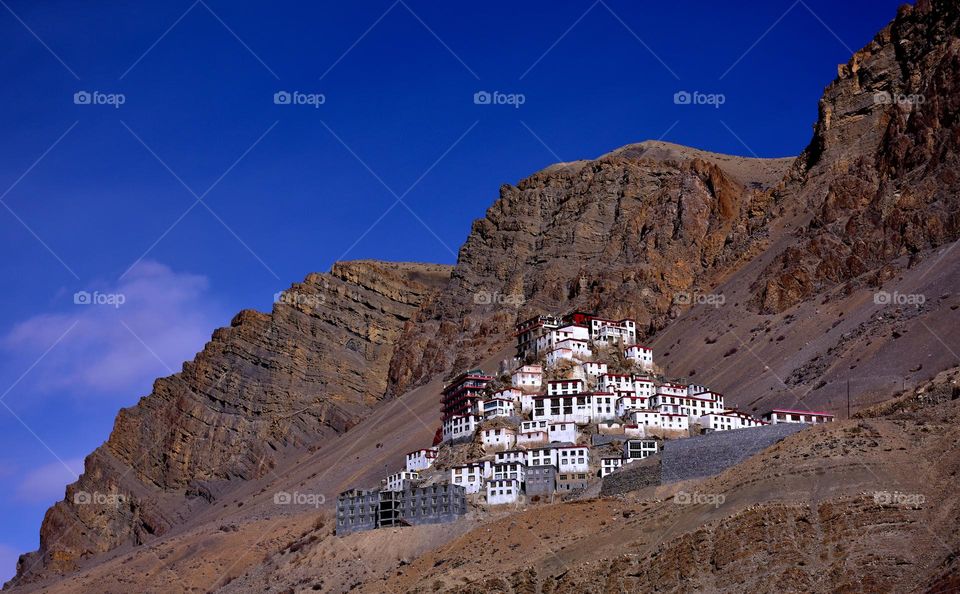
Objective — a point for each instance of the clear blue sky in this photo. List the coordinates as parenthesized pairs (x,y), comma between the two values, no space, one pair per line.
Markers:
(89,191)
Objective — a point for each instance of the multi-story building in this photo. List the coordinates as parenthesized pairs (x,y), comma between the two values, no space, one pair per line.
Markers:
(357,511)
(641,355)
(528,377)
(503,491)
(470,476)
(541,480)
(509,470)
(566,432)
(528,331)
(563,387)
(509,456)
(609,464)
(398,481)
(498,437)
(498,407)
(461,395)
(367,510)
(637,449)
(572,481)
(622,332)
(572,458)
(460,427)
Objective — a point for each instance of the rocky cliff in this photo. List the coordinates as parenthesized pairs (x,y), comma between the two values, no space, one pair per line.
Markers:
(882,173)
(269,383)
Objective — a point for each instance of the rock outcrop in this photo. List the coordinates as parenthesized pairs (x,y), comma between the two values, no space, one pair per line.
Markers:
(882,173)
(308,370)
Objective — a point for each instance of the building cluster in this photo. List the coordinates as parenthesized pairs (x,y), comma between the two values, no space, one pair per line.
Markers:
(576,379)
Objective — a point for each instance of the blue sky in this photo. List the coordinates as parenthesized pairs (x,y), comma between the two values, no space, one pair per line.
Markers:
(199,195)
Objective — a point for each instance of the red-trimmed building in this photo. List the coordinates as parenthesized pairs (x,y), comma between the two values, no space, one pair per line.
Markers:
(461,395)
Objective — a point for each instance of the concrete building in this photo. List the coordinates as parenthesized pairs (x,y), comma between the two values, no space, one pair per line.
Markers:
(529,331)
(550,338)
(503,491)
(510,456)
(421,459)
(593,369)
(608,332)
(565,387)
(556,355)
(366,510)
(533,438)
(357,510)
(786,415)
(531,426)
(541,480)
(638,449)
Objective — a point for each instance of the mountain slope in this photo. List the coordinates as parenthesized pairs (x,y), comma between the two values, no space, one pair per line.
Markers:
(302,374)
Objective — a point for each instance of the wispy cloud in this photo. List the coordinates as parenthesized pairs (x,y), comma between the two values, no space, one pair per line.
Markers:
(46,483)
(123,334)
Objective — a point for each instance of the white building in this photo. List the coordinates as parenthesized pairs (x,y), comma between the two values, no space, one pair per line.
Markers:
(604,406)
(641,355)
(470,476)
(500,437)
(563,432)
(628,401)
(399,480)
(510,456)
(608,465)
(533,438)
(511,394)
(564,386)
(542,457)
(615,382)
(531,426)
(785,415)
(528,377)
(551,337)
(579,348)
(634,430)
(637,449)
(554,356)
(622,332)
(609,427)
(643,387)
(594,369)
(728,419)
(573,458)
(526,402)
(509,471)
(645,417)
(500,492)
(459,427)
(421,459)
(675,422)
(498,407)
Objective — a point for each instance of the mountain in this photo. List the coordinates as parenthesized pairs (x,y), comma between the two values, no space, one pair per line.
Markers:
(776,281)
